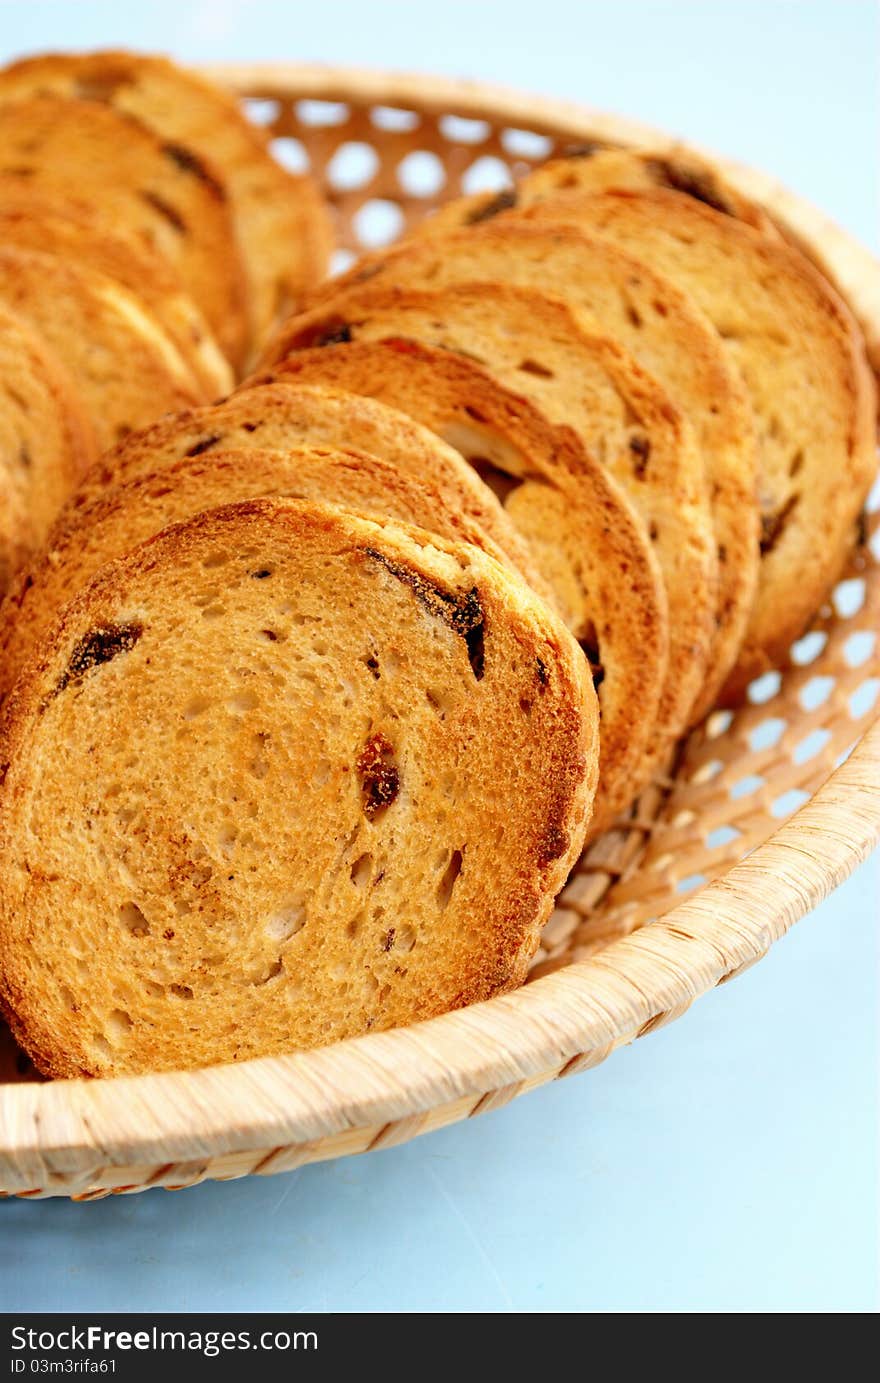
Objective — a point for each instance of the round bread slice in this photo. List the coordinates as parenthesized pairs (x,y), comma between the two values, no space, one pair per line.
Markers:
(56,225)
(597,167)
(280,843)
(45,442)
(282,416)
(616,293)
(84,540)
(803,360)
(283,226)
(589,544)
(124,369)
(155,189)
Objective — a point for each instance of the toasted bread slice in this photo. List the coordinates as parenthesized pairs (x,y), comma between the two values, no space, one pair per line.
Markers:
(34,220)
(284,416)
(124,369)
(587,540)
(282,224)
(150,187)
(595,166)
(588,382)
(84,540)
(616,293)
(803,359)
(283,842)
(45,442)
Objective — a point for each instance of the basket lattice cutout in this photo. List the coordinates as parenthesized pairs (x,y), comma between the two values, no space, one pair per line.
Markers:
(387,150)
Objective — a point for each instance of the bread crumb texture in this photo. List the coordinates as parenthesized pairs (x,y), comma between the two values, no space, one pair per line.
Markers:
(283,776)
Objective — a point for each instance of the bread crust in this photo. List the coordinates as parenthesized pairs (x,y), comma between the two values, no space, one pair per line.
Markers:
(614,292)
(283,227)
(155,189)
(135,939)
(45,442)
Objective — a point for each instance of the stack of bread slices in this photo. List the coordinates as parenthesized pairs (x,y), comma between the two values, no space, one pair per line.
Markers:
(312,696)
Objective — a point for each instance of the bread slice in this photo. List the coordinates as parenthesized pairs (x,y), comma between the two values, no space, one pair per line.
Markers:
(283,226)
(156,189)
(588,542)
(616,293)
(284,416)
(595,166)
(579,380)
(45,442)
(81,542)
(802,357)
(34,220)
(283,841)
(124,369)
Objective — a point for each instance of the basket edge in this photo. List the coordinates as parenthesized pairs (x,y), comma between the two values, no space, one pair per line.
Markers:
(66,1123)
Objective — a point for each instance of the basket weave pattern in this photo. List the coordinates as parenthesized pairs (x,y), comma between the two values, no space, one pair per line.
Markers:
(387,151)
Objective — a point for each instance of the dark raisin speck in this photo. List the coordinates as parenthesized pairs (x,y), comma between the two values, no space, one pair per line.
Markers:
(585,148)
(460,610)
(95,648)
(170,213)
(379,775)
(504,201)
(334,336)
(189,162)
(205,444)
(641,450)
(261,574)
(692,182)
(773,525)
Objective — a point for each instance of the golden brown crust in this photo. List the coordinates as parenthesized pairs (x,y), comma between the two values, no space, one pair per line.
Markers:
(589,544)
(34,220)
(86,538)
(651,317)
(124,369)
(283,226)
(156,189)
(45,442)
(139,937)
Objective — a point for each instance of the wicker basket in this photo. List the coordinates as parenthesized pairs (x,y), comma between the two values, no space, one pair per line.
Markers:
(715,864)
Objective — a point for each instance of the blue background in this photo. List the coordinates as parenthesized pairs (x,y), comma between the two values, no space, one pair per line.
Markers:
(726,1163)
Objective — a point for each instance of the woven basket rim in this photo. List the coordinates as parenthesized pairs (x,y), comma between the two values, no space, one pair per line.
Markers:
(576,1015)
